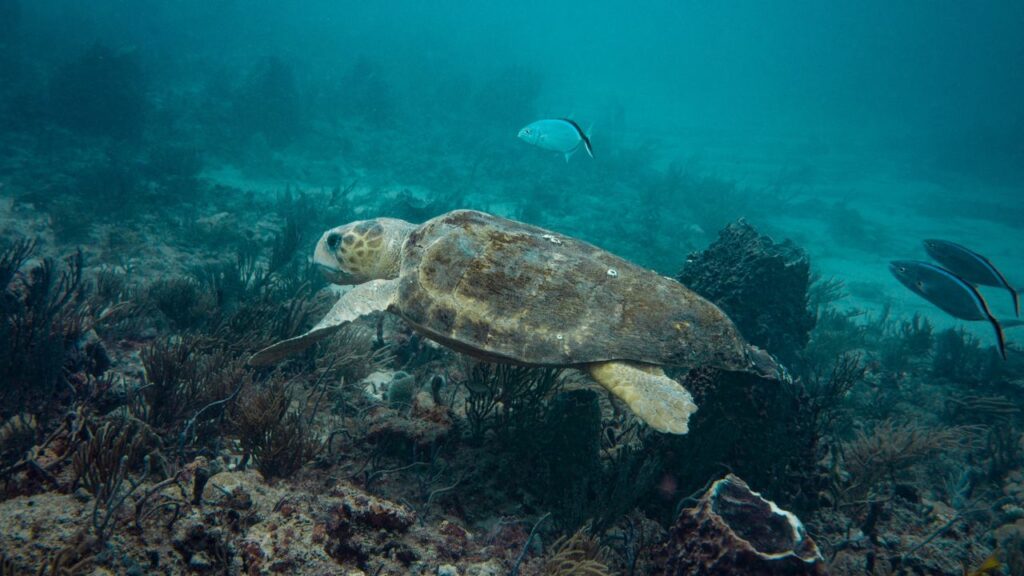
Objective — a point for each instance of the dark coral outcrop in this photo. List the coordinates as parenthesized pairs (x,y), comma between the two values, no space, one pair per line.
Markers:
(761,284)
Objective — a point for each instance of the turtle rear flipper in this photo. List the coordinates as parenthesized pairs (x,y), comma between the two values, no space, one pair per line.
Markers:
(373,296)
(655,398)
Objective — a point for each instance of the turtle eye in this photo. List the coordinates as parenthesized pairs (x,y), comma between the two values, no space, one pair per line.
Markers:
(333,240)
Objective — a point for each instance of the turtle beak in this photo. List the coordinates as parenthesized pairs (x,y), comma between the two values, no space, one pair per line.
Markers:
(333,274)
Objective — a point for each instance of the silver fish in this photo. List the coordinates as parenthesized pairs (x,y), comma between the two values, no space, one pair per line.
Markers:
(559,135)
(949,292)
(970,266)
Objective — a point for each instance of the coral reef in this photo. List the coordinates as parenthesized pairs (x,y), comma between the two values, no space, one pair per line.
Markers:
(135,440)
(733,530)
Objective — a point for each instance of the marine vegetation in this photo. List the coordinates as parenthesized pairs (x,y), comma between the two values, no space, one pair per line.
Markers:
(44,320)
(436,442)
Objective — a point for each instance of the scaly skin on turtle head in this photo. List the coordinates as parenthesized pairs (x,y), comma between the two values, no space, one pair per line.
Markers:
(362,251)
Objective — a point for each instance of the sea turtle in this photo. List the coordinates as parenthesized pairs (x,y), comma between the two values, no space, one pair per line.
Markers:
(505,291)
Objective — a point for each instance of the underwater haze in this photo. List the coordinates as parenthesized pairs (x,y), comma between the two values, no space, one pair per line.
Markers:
(676,287)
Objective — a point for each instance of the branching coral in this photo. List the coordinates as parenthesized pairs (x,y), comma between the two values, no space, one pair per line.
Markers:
(183,301)
(185,387)
(259,322)
(42,318)
(260,303)
(506,398)
(17,434)
(827,391)
(277,440)
(579,555)
(350,355)
(111,451)
(902,343)
(892,447)
(823,292)
(959,357)
(103,465)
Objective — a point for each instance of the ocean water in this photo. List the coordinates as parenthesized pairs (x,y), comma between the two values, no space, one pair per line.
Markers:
(168,174)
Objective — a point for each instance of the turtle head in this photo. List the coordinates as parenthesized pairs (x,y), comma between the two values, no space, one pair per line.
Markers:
(362,251)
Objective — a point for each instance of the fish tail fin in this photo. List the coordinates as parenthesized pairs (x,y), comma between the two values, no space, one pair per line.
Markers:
(586,140)
(1016,301)
(1000,337)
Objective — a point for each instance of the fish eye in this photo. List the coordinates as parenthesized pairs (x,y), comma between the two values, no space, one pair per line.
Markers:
(920,284)
(903,268)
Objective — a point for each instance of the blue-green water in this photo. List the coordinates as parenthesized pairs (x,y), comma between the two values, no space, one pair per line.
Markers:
(194,152)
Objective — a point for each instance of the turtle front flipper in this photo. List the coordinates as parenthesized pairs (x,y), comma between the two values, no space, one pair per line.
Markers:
(655,398)
(373,296)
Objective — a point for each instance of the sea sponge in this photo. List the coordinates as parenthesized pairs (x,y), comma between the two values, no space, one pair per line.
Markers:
(401,390)
(733,530)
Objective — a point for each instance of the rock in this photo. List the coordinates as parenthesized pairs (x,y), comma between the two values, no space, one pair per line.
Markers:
(200,563)
(33,528)
(375,386)
(425,425)
(366,509)
(363,526)
(447,570)
(424,402)
(215,221)
(733,530)
(204,548)
(491,567)
(456,538)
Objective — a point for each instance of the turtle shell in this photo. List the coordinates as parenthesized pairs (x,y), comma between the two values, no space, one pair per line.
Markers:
(507,291)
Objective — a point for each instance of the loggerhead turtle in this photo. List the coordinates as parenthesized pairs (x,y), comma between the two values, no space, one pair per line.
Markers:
(505,291)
